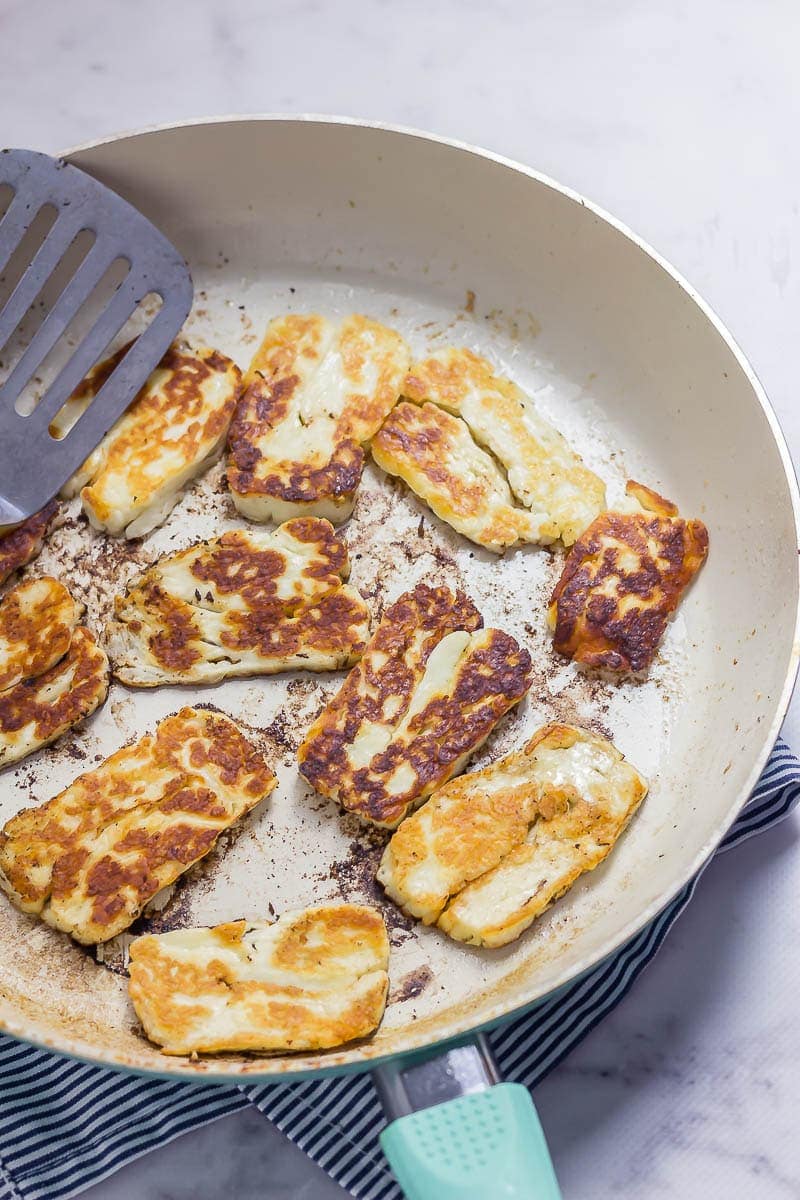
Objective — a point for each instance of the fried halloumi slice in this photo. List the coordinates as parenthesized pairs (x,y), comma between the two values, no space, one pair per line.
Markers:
(314,395)
(430,687)
(436,455)
(490,851)
(623,580)
(250,602)
(496,471)
(21,545)
(37,620)
(314,979)
(34,712)
(89,860)
(174,429)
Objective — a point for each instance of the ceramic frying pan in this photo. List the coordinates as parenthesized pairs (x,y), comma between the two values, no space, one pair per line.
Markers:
(450,245)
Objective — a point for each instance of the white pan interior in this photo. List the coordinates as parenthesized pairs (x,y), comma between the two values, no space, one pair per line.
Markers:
(448,246)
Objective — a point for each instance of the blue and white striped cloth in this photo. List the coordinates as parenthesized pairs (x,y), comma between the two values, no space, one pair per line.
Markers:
(64,1124)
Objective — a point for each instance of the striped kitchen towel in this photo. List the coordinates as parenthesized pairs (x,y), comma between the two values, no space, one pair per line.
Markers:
(65,1124)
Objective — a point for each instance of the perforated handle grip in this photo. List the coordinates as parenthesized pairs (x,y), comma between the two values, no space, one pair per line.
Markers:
(486,1144)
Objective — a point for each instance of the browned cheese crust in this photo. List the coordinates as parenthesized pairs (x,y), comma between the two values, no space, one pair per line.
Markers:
(434,453)
(622,580)
(314,394)
(21,545)
(173,429)
(396,730)
(37,620)
(248,602)
(314,979)
(473,446)
(492,850)
(36,711)
(88,860)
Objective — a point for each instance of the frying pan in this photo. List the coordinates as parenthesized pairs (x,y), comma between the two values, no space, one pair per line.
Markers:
(449,244)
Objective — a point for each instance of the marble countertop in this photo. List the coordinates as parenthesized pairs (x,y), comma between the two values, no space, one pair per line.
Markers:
(681,118)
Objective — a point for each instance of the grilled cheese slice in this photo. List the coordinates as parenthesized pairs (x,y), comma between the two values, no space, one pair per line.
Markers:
(249,602)
(174,429)
(34,712)
(623,580)
(314,395)
(489,852)
(430,687)
(436,455)
(20,546)
(495,470)
(37,620)
(89,860)
(314,979)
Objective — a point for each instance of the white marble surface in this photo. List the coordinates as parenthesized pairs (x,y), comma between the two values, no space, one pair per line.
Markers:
(681,117)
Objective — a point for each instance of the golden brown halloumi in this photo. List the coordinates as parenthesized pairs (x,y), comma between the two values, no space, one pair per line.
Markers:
(36,711)
(436,455)
(314,979)
(490,851)
(483,458)
(21,545)
(250,602)
(88,860)
(37,620)
(174,429)
(430,687)
(315,393)
(622,581)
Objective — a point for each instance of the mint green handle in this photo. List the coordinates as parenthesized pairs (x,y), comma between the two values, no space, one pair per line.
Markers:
(485,1144)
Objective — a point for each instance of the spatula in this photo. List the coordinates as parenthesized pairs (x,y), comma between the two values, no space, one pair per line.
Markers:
(34,463)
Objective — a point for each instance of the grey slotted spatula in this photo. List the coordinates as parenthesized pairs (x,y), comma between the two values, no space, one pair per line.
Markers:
(34,463)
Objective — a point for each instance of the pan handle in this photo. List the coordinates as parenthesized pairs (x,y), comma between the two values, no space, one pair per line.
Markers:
(457,1133)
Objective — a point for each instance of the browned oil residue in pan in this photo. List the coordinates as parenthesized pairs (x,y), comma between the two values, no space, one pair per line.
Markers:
(411,985)
(354,876)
